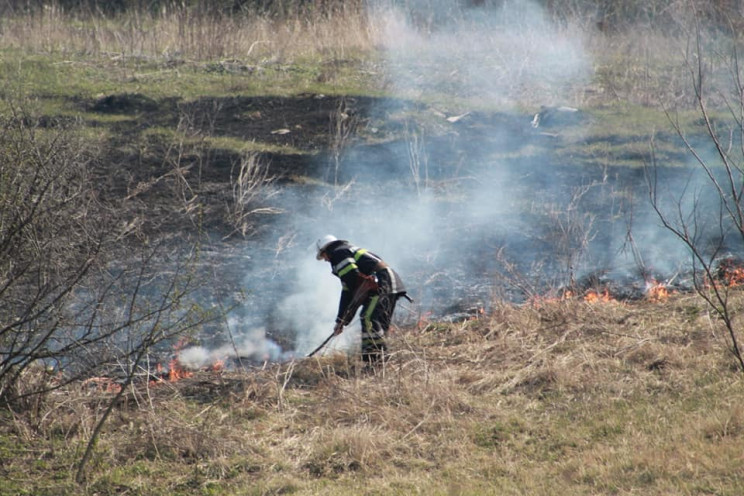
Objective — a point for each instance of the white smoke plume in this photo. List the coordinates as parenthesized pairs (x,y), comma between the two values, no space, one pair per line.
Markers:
(252,346)
(440,211)
(495,55)
(500,55)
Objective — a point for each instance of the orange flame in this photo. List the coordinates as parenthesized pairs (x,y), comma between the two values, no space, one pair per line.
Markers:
(423,321)
(175,369)
(480,312)
(730,273)
(656,291)
(176,372)
(733,276)
(595,296)
(538,301)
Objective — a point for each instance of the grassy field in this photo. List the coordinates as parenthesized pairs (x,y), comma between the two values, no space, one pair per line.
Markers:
(562,397)
(551,397)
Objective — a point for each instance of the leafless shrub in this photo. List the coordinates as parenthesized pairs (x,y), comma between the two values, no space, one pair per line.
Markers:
(73,301)
(707,213)
(329,199)
(148,305)
(49,240)
(190,150)
(251,188)
(343,124)
(516,278)
(568,229)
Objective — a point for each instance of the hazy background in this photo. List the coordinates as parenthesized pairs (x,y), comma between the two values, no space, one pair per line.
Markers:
(461,220)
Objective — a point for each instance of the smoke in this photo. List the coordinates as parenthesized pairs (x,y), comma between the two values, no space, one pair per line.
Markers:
(501,55)
(251,346)
(310,308)
(457,191)
(504,56)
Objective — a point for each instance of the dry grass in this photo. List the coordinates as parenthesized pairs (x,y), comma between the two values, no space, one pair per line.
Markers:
(569,397)
(565,398)
(183,34)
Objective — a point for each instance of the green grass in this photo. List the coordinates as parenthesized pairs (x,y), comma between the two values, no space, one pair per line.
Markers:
(62,81)
(617,134)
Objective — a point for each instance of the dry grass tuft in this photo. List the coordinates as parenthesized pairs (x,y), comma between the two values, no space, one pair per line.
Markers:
(570,396)
(183,34)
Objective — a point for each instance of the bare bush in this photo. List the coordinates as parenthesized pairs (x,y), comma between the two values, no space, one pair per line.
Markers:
(251,188)
(570,231)
(708,215)
(82,290)
(50,240)
(343,124)
(567,230)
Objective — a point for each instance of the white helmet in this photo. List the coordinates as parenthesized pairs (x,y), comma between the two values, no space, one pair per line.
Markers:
(323,243)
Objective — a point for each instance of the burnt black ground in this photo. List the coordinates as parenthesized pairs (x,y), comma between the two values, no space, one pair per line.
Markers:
(512,249)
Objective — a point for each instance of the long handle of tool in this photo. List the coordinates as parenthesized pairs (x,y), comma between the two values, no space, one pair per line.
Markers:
(368,285)
(321,345)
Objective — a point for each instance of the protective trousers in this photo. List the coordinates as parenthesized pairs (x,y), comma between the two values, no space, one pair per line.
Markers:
(376,316)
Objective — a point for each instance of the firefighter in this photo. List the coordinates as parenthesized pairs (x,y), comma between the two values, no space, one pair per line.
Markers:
(366,282)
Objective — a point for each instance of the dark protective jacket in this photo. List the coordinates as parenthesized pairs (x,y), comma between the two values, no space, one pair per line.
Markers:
(362,275)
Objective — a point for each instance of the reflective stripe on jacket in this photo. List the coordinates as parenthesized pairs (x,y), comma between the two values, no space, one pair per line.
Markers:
(356,267)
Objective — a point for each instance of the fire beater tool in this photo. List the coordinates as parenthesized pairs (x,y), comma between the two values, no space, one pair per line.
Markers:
(368,285)
(321,345)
